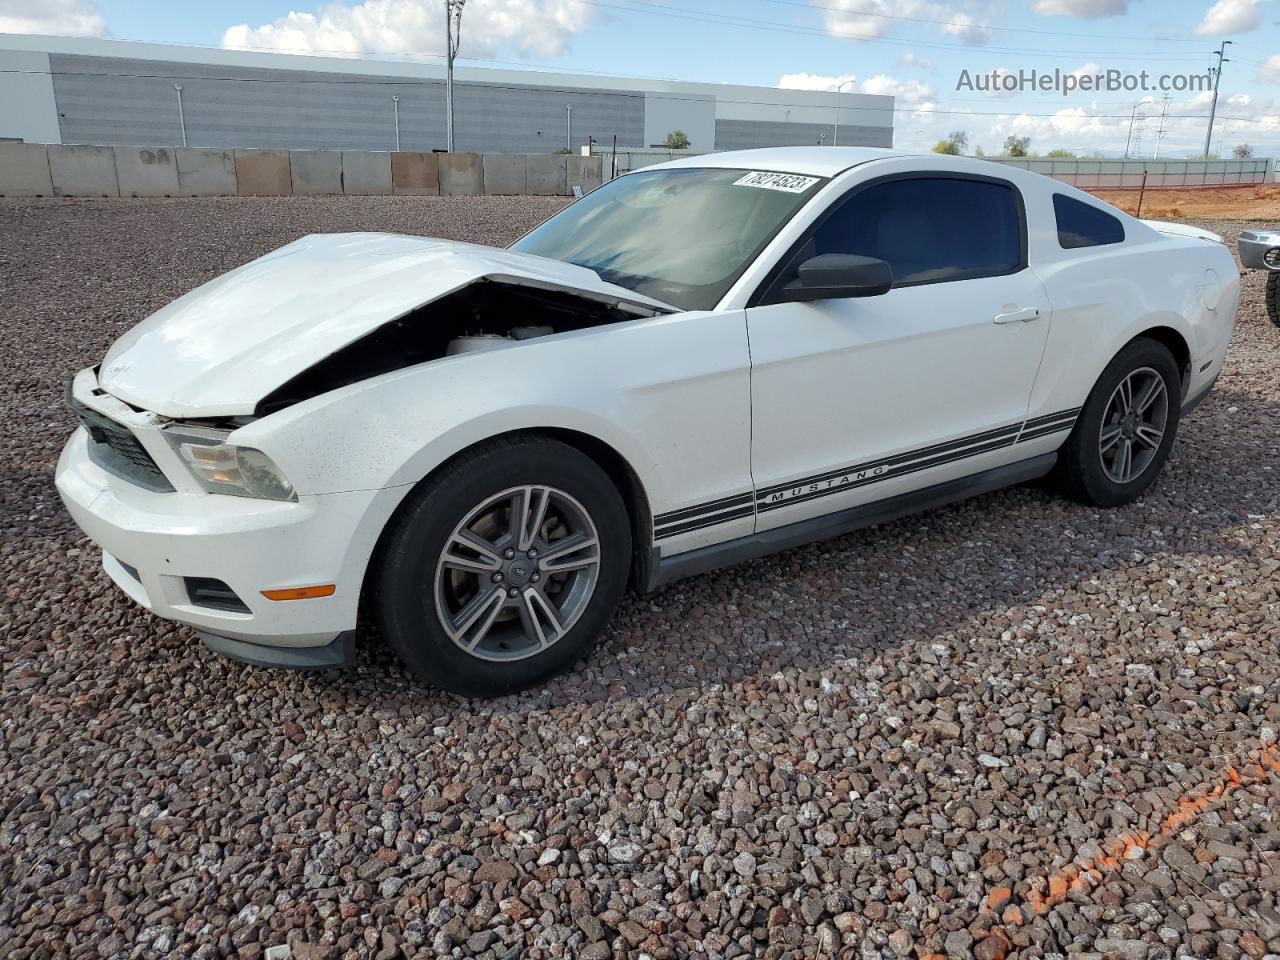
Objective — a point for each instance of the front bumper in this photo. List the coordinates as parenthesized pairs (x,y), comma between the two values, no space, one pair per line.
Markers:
(1254,245)
(152,541)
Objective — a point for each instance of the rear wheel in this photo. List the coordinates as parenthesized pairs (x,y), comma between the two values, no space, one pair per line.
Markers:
(1125,430)
(1273,296)
(504,568)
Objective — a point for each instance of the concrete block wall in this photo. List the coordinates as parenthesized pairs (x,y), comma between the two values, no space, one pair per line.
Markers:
(415,174)
(316,172)
(263,173)
(365,173)
(146,172)
(58,170)
(24,170)
(206,173)
(82,171)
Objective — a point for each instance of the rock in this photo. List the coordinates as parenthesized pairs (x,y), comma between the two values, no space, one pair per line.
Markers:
(957,943)
(1115,949)
(901,942)
(494,871)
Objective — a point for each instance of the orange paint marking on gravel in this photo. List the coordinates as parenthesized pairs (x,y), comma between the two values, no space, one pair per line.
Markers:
(1076,878)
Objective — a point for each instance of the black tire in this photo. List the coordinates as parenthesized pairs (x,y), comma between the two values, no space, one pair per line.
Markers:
(1273,296)
(1081,473)
(404,587)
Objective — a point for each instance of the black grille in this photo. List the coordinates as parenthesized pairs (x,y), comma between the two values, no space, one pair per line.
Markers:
(1272,257)
(115,449)
(208,592)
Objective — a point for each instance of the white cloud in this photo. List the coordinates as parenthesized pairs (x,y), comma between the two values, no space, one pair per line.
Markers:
(909,59)
(912,91)
(869,19)
(1269,72)
(63,18)
(1230,16)
(539,27)
(813,81)
(882,85)
(1080,8)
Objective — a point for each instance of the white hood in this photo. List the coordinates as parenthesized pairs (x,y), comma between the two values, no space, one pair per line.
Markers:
(222,347)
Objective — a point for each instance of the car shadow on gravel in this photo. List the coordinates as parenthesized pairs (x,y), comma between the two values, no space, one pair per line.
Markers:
(956,572)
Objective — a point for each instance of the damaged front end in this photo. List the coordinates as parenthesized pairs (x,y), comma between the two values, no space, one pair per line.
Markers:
(331,310)
(485,315)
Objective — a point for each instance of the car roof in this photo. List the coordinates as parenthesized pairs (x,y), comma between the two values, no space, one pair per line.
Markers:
(818,161)
(814,161)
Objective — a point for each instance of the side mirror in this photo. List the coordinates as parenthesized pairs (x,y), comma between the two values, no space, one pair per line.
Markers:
(834,276)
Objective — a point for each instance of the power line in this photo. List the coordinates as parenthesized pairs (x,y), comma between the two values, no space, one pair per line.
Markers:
(640,6)
(963,24)
(972,26)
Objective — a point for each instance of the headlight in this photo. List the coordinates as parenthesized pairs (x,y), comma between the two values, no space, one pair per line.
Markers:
(222,467)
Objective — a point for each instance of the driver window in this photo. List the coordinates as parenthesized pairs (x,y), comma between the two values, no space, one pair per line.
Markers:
(929,230)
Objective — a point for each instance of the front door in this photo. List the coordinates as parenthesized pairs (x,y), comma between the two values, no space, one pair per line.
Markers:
(857,400)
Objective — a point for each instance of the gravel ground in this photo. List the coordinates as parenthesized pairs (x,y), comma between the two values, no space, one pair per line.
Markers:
(1013,727)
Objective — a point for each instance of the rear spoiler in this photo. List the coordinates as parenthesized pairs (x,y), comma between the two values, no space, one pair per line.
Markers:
(1182,230)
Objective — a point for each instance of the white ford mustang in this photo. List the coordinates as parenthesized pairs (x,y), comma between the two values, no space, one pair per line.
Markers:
(698,363)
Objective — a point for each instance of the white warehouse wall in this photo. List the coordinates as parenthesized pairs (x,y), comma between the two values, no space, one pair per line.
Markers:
(28,110)
(695,114)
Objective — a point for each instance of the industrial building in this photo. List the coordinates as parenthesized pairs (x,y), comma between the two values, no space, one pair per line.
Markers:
(88,91)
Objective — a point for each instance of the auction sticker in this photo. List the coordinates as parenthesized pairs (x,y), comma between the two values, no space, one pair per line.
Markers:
(786,182)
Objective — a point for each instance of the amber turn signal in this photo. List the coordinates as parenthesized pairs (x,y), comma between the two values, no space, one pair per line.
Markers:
(301,593)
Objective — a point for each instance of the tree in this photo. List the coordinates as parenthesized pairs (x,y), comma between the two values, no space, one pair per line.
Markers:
(1016,146)
(1060,154)
(954,143)
(676,140)
(1242,151)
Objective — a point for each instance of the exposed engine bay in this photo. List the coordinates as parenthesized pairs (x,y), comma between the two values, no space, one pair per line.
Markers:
(486,315)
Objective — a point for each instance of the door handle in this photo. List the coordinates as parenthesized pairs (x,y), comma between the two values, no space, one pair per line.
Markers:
(1015,316)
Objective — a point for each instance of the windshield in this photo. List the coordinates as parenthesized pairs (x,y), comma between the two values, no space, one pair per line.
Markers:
(682,236)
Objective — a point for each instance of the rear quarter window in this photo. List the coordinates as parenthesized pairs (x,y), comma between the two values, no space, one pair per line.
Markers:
(1081,225)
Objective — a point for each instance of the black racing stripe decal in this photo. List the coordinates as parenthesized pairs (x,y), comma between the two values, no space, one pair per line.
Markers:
(1046,431)
(738,506)
(884,474)
(711,506)
(1060,415)
(698,523)
(1002,433)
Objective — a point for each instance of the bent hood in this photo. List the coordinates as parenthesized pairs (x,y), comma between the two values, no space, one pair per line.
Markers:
(221,348)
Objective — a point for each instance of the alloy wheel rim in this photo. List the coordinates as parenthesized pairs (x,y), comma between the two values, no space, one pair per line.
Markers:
(517,573)
(1133,425)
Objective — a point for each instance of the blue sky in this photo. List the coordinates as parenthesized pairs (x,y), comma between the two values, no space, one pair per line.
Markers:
(915,49)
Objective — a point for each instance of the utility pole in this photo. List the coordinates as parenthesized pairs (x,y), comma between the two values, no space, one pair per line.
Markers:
(182,120)
(1217,79)
(395,105)
(1164,110)
(1133,115)
(452,41)
(835,134)
(568,127)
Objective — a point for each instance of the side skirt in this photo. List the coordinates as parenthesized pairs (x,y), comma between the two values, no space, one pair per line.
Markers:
(704,559)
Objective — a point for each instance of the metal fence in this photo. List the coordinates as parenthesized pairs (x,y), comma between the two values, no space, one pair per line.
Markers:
(626,159)
(1097,174)
(1119,174)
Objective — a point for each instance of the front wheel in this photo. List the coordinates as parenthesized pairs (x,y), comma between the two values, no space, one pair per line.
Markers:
(1125,430)
(1273,296)
(504,568)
